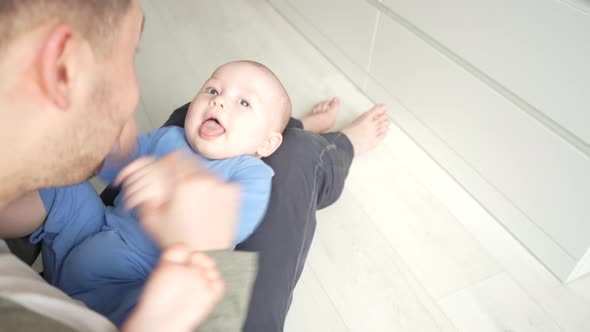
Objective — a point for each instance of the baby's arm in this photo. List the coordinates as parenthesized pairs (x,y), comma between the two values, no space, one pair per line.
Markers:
(255,181)
(23,216)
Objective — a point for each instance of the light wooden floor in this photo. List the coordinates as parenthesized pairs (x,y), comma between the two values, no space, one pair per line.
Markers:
(405,249)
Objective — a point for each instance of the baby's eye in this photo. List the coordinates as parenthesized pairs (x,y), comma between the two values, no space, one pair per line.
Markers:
(245,103)
(212,91)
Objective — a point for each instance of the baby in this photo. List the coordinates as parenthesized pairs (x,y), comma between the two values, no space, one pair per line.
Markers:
(236,119)
(100,255)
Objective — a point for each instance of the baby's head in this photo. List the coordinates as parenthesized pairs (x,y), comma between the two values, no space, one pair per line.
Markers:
(241,110)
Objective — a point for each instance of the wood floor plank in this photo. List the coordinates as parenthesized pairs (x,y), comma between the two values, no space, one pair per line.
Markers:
(360,272)
(442,254)
(497,305)
(312,309)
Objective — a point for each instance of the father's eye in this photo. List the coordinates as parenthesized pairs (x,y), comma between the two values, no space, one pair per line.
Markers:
(212,91)
(245,103)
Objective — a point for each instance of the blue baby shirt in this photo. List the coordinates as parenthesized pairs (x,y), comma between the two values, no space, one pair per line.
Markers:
(250,173)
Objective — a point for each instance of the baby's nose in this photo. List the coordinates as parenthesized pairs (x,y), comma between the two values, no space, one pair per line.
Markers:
(218,101)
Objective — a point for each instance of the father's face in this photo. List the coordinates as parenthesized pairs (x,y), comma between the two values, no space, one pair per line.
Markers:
(107,96)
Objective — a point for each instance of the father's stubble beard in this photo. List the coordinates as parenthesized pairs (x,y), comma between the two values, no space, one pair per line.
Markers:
(79,151)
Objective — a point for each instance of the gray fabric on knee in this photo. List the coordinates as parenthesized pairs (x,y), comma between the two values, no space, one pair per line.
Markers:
(238,270)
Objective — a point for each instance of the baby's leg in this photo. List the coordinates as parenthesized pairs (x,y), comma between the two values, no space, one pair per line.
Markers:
(73,214)
(105,273)
(368,130)
(365,133)
(322,116)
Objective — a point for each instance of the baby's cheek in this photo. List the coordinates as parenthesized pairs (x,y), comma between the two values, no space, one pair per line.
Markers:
(192,139)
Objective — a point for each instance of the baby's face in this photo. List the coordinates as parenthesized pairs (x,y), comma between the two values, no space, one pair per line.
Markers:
(234,113)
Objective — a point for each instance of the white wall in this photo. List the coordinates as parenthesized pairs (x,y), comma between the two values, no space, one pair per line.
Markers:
(497,92)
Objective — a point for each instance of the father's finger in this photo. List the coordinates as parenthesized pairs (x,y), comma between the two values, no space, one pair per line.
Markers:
(202,213)
(181,165)
(144,197)
(132,168)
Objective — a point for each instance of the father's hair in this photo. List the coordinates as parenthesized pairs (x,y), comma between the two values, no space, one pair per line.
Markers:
(96,20)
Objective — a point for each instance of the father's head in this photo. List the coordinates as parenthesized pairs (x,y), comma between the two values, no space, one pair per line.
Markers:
(67,86)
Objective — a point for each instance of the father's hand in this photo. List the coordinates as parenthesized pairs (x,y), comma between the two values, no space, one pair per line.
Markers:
(188,205)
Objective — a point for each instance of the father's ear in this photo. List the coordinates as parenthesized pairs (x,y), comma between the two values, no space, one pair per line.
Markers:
(55,66)
(270,145)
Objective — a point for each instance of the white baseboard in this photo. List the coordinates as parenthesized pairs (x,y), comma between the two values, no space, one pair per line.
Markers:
(581,269)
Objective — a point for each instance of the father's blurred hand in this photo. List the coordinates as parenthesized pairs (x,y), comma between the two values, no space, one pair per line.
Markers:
(179,202)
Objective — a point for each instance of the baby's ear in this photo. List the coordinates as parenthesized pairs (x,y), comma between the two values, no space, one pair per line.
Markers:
(269,146)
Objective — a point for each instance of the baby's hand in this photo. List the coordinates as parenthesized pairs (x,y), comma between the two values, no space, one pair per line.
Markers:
(147,181)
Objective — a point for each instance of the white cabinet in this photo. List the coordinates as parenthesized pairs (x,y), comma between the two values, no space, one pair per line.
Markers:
(538,50)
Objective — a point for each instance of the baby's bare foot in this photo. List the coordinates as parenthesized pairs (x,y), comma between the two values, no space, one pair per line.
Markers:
(322,116)
(211,286)
(368,130)
(182,290)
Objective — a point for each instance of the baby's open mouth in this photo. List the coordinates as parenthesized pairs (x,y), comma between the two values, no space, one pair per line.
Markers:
(211,128)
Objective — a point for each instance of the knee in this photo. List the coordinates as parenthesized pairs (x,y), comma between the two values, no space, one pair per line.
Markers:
(298,143)
(294,138)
